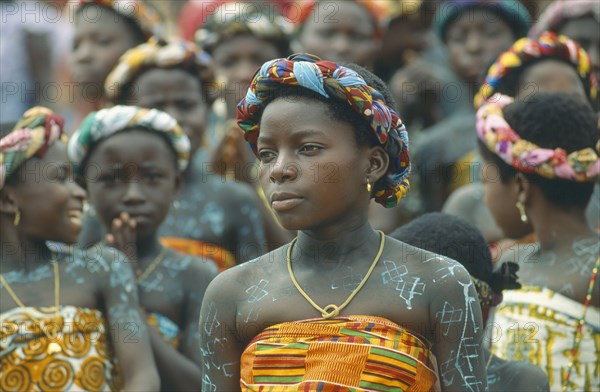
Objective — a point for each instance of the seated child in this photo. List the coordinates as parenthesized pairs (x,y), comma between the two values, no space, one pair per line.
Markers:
(131,160)
(309,315)
(458,239)
(64,318)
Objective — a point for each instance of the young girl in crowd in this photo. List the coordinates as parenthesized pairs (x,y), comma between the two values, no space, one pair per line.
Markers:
(132,160)
(328,142)
(540,166)
(64,318)
(176,77)
(456,238)
(104,30)
(551,63)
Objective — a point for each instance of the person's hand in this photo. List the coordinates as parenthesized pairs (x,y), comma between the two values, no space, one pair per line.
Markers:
(122,236)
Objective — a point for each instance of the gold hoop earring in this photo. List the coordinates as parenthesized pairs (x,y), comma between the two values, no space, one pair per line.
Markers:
(521,207)
(369,187)
(17,219)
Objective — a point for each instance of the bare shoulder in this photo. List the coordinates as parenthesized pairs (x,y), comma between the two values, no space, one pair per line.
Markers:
(197,271)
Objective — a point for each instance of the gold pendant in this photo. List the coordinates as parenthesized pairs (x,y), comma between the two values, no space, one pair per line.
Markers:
(54,348)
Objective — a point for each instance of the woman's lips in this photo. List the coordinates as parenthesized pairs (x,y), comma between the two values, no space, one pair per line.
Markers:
(286,204)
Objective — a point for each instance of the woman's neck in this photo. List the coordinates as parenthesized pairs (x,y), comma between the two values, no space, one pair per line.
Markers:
(558,229)
(22,253)
(334,246)
(147,248)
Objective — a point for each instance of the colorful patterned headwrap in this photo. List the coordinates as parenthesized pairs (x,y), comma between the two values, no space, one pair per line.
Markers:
(502,140)
(526,51)
(560,11)
(31,137)
(342,84)
(142,12)
(106,122)
(239,18)
(511,11)
(156,54)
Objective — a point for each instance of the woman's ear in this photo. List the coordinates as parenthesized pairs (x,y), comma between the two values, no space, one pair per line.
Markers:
(378,163)
(523,188)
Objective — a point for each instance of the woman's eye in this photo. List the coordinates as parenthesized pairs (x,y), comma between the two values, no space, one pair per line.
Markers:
(266,156)
(310,148)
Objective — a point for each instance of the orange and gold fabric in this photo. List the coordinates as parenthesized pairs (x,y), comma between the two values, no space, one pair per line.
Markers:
(354,353)
(166,328)
(83,363)
(222,257)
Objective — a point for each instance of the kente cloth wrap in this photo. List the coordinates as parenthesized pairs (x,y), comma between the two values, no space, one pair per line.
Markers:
(354,353)
(85,362)
(222,257)
(155,54)
(538,325)
(561,11)
(502,140)
(31,137)
(527,51)
(512,12)
(143,13)
(165,327)
(106,122)
(242,18)
(342,84)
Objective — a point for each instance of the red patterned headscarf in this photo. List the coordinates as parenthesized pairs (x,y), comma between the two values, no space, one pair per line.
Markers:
(338,83)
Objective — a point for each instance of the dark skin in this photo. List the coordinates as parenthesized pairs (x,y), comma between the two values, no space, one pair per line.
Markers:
(341,31)
(314,174)
(101,37)
(132,195)
(58,219)
(474,39)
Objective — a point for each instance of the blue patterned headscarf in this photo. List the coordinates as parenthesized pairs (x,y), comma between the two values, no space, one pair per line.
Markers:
(338,83)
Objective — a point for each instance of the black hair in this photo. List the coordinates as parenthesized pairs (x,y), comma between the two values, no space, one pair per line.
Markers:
(453,237)
(552,120)
(139,36)
(81,168)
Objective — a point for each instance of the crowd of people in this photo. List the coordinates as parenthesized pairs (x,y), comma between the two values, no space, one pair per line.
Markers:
(286,195)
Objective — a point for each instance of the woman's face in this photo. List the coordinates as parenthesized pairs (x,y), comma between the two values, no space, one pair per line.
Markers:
(178,93)
(474,40)
(341,31)
(236,60)
(50,201)
(101,37)
(141,181)
(311,168)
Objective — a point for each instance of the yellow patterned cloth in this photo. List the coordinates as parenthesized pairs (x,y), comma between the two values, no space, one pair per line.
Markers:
(354,353)
(166,328)
(84,364)
(538,325)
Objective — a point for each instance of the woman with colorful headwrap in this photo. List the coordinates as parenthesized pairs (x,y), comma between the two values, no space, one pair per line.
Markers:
(104,30)
(540,164)
(64,316)
(328,143)
(551,63)
(176,76)
(456,238)
(132,160)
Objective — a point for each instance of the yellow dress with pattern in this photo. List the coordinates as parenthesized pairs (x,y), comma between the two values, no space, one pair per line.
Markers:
(83,364)
(538,325)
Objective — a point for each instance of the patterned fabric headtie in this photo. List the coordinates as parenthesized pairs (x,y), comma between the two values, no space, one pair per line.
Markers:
(31,137)
(142,12)
(106,122)
(502,140)
(342,84)
(155,54)
(526,51)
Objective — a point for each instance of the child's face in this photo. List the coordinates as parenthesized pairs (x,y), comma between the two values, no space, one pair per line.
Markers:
(474,40)
(311,168)
(177,93)
(340,31)
(100,39)
(133,172)
(550,76)
(50,201)
(236,60)
(501,199)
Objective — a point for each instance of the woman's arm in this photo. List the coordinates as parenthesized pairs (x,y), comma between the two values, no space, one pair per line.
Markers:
(129,334)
